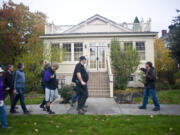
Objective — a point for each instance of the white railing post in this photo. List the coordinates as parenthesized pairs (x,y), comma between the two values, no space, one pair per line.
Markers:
(110,76)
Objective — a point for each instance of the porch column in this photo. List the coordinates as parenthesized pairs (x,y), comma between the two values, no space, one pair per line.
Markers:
(72,51)
(134,44)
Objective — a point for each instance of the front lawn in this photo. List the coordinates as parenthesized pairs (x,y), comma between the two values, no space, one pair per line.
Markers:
(92,125)
(164,96)
(29,99)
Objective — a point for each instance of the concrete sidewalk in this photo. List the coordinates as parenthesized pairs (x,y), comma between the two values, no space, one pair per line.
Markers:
(105,106)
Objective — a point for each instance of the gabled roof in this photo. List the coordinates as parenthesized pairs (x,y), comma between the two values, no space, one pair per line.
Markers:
(98,17)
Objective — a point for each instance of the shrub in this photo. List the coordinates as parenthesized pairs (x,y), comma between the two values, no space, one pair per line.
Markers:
(124,61)
(66,92)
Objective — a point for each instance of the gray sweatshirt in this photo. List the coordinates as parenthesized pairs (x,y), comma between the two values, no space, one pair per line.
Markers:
(19,79)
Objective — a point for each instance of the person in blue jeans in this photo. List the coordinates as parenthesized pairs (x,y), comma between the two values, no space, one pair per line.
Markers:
(19,82)
(75,96)
(150,86)
(2,105)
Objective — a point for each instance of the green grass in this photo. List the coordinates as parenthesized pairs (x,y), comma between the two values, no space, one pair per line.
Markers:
(164,97)
(92,125)
(29,99)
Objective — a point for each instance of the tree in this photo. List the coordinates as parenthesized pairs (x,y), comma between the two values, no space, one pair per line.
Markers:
(33,61)
(124,61)
(163,61)
(164,64)
(174,38)
(17,26)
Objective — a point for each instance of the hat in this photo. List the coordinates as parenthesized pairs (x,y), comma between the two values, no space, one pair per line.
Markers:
(1,70)
(82,58)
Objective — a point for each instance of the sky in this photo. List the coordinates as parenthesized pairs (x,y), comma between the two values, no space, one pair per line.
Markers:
(67,12)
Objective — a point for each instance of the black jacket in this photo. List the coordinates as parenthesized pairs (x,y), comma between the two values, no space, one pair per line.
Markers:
(50,83)
(80,68)
(150,79)
(8,80)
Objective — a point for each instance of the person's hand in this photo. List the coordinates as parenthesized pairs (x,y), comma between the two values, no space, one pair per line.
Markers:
(83,83)
(7,88)
(52,76)
(14,91)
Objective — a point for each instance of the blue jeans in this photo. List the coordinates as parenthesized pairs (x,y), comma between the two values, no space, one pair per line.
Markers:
(75,96)
(19,95)
(3,116)
(151,92)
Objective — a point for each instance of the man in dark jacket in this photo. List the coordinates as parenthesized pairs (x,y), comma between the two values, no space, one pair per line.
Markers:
(45,68)
(80,77)
(51,86)
(149,86)
(8,83)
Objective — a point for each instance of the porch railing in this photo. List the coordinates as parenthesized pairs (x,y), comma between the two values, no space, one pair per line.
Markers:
(110,74)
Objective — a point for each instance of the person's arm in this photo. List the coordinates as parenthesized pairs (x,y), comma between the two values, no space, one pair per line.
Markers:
(80,78)
(143,69)
(4,80)
(15,79)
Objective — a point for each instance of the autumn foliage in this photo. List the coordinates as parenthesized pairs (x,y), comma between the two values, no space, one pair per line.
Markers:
(18,26)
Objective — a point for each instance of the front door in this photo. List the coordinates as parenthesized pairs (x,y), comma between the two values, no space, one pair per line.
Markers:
(97,58)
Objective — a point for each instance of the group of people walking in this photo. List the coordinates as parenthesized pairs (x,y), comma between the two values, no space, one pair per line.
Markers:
(12,84)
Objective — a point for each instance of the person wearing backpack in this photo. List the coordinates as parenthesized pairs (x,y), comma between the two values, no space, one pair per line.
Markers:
(45,68)
(19,83)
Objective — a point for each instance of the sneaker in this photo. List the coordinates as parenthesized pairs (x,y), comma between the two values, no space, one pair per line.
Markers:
(142,107)
(84,109)
(13,111)
(156,109)
(27,112)
(71,103)
(85,106)
(16,107)
(51,112)
(80,111)
(41,106)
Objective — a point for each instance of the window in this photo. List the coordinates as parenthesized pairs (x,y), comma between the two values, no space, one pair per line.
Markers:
(78,51)
(67,48)
(140,47)
(128,44)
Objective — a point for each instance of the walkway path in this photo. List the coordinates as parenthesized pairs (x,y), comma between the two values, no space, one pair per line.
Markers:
(105,106)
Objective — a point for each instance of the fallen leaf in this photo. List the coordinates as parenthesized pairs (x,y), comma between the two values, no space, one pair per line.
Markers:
(57,126)
(36,130)
(70,130)
(170,128)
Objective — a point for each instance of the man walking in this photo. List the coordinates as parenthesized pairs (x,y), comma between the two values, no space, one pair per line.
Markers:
(80,77)
(45,68)
(19,82)
(2,106)
(51,86)
(8,83)
(149,86)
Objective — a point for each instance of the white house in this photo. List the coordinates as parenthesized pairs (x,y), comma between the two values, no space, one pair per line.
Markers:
(92,38)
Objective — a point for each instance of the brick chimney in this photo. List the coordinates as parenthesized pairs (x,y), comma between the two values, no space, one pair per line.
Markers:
(164,32)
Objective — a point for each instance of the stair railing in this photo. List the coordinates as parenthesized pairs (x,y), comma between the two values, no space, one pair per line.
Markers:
(110,74)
